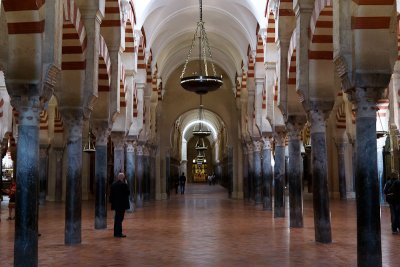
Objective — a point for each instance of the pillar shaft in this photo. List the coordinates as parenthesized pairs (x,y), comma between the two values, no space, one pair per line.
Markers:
(59,168)
(294,172)
(369,251)
(341,146)
(27,174)
(257,172)
(43,172)
(279,175)
(267,174)
(130,172)
(250,179)
(101,130)
(139,176)
(73,119)
(118,140)
(322,220)
(246,193)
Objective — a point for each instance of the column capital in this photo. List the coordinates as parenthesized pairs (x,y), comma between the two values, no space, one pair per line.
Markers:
(266,143)
(364,100)
(44,150)
(139,150)
(279,137)
(303,6)
(118,138)
(131,145)
(318,113)
(28,107)
(341,147)
(257,145)
(73,119)
(250,148)
(101,129)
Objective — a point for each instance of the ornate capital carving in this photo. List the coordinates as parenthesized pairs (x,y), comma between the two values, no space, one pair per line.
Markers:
(101,129)
(44,150)
(73,119)
(118,139)
(59,151)
(318,113)
(341,147)
(279,138)
(343,73)
(266,143)
(365,101)
(29,108)
(257,145)
(250,148)
(130,146)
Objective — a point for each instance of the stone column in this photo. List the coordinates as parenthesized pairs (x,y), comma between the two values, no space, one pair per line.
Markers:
(308,167)
(146,173)
(27,174)
(246,192)
(381,142)
(101,130)
(267,174)
(118,140)
(153,174)
(341,148)
(257,172)
(322,219)
(369,251)
(279,174)
(168,173)
(59,151)
(294,126)
(73,119)
(43,172)
(139,176)
(130,172)
(250,178)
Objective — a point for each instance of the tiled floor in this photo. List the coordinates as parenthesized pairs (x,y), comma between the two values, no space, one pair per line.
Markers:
(200,228)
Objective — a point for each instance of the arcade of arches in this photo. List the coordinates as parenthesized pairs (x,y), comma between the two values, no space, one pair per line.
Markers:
(309,106)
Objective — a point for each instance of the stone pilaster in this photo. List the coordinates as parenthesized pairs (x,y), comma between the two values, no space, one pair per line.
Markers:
(279,173)
(73,119)
(369,250)
(267,174)
(27,174)
(101,130)
(257,171)
(341,148)
(43,172)
(139,176)
(118,139)
(322,220)
(295,125)
(130,171)
(59,152)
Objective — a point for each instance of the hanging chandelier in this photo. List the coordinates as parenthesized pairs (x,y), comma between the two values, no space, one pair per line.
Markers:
(201,82)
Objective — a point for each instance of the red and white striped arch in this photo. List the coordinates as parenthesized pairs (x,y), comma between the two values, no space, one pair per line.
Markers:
(321,46)
(341,117)
(286,8)
(238,86)
(25,25)
(142,64)
(260,46)
(129,25)
(58,122)
(104,66)
(44,120)
(270,29)
(135,103)
(122,85)
(74,38)
(112,16)
(398,40)
(250,62)
(291,71)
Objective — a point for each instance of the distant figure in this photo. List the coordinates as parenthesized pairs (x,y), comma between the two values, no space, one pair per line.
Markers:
(182,181)
(176,184)
(119,199)
(209,178)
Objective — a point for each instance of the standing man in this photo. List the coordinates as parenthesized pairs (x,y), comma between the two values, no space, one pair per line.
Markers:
(182,181)
(119,199)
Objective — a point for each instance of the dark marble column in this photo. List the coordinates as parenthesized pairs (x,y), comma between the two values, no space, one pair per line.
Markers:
(130,172)
(43,172)
(257,172)
(152,174)
(246,192)
(369,250)
(59,151)
(295,125)
(118,140)
(250,177)
(267,174)
(168,173)
(322,218)
(279,174)
(308,167)
(146,173)
(139,176)
(341,147)
(73,119)
(101,130)
(27,174)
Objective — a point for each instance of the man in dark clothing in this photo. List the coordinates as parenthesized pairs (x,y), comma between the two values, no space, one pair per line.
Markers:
(392,193)
(119,199)
(182,181)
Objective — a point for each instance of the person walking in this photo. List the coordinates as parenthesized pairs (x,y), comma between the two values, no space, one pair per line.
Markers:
(119,199)
(182,181)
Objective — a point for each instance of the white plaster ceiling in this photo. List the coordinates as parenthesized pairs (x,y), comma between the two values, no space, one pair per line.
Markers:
(170,25)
